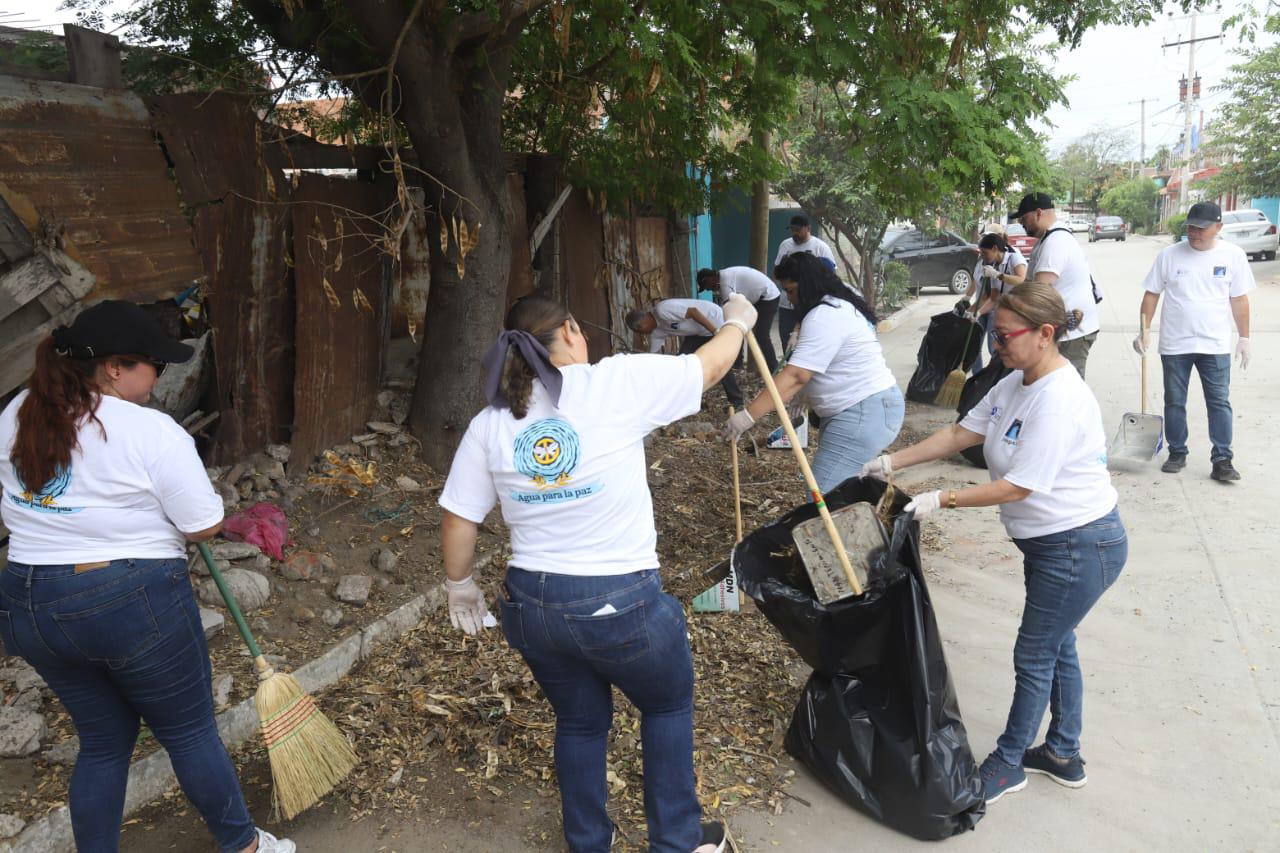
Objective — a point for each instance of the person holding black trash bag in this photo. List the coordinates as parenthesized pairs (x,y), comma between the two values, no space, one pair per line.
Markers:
(839,367)
(101,497)
(561,447)
(1041,430)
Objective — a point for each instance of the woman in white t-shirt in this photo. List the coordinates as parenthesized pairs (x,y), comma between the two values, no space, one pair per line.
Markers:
(838,367)
(1000,269)
(560,448)
(101,496)
(1041,430)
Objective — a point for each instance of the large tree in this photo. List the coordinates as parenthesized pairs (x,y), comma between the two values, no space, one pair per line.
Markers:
(1134,201)
(1094,163)
(1248,123)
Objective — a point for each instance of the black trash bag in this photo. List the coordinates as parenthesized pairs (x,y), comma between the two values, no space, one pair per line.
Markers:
(975,388)
(878,722)
(942,350)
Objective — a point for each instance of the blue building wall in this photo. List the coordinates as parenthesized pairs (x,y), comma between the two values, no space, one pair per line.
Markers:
(731,229)
(1269,205)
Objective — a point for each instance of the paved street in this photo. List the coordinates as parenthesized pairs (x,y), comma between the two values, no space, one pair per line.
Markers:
(1181,657)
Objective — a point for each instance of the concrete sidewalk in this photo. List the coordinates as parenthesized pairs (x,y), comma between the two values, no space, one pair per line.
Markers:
(1180,657)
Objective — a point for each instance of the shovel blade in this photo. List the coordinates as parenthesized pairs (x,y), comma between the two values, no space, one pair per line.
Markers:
(862,534)
(1138,439)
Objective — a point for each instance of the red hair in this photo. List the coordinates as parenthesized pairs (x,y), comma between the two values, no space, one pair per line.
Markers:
(61,394)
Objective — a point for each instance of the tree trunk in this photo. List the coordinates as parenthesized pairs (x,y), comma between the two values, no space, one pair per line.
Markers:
(759,228)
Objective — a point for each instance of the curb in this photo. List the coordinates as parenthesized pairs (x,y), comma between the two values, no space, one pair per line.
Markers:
(901,316)
(153,776)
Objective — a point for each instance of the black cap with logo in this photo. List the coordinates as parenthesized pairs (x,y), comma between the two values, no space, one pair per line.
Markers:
(1203,214)
(115,327)
(1032,202)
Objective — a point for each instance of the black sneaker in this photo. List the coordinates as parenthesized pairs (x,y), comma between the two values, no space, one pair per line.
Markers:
(1224,471)
(714,834)
(1068,772)
(1175,463)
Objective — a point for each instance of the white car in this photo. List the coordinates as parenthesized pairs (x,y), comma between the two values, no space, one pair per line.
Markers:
(1251,231)
(1077,224)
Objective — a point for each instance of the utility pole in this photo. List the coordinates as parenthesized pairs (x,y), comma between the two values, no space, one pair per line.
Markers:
(1189,96)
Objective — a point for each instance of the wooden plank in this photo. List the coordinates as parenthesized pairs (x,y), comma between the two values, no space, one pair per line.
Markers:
(94,57)
(18,352)
(24,281)
(15,240)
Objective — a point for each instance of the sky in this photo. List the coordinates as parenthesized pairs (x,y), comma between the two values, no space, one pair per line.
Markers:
(1115,67)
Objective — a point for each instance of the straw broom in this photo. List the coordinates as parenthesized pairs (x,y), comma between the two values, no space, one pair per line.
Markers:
(953,387)
(307,752)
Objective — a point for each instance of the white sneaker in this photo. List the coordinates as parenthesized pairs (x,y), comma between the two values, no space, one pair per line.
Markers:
(268,843)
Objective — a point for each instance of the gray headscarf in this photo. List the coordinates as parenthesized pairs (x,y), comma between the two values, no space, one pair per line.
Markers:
(533,352)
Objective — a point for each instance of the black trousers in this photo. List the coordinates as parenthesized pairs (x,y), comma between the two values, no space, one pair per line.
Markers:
(763,331)
(692,343)
(787,320)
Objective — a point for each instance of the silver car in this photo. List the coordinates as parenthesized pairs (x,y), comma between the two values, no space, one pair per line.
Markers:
(1251,231)
(1108,228)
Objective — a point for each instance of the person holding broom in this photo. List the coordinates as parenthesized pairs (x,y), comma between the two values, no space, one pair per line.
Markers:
(839,367)
(1041,430)
(561,448)
(101,496)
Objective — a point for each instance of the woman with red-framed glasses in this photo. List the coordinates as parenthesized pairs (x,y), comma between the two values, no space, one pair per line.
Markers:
(1041,430)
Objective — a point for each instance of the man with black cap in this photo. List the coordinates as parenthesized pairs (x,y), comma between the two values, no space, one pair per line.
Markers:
(1059,260)
(1206,284)
(801,240)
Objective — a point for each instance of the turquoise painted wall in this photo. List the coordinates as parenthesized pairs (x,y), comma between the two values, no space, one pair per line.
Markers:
(730,228)
(1269,205)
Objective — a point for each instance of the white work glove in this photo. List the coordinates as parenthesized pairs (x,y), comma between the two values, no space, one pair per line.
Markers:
(990,271)
(467,610)
(738,423)
(925,505)
(880,468)
(738,307)
(1139,345)
(1242,353)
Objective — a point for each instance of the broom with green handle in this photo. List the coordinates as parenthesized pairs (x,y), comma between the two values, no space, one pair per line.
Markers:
(307,752)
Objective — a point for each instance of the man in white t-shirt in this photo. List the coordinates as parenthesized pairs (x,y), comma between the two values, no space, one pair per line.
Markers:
(693,321)
(1058,259)
(759,290)
(1206,284)
(801,240)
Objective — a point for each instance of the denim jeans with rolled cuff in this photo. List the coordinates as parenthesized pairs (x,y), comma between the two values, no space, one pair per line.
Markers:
(120,643)
(581,637)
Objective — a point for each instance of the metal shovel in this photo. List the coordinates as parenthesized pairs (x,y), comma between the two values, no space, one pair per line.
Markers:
(1140,435)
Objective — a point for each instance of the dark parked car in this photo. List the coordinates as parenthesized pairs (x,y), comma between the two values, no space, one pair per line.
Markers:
(1108,228)
(1019,239)
(943,259)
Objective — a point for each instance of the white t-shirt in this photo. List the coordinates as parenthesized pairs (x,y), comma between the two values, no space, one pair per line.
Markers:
(750,282)
(1060,253)
(1046,437)
(130,495)
(814,246)
(669,314)
(1198,288)
(839,346)
(571,479)
(1008,264)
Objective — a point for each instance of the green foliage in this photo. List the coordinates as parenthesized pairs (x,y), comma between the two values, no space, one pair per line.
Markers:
(1092,165)
(1249,123)
(1177,225)
(894,286)
(1134,201)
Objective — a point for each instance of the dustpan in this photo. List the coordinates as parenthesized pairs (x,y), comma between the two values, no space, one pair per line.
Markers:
(1140,435)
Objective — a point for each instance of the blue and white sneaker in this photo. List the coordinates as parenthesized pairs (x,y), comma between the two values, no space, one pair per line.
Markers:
(999,778)
(1068,772)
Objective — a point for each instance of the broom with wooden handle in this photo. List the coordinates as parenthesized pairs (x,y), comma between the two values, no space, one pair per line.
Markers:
(307,752)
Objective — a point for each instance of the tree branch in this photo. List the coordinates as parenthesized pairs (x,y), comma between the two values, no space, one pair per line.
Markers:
(480,25)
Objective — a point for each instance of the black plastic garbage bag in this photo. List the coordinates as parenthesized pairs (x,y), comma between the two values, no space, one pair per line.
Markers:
(942,350)
(975,388)
(878,722)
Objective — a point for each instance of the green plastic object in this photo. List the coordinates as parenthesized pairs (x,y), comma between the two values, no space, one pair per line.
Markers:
(231,602)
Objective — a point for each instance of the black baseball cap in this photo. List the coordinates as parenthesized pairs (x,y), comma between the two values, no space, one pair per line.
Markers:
(799,220)
(116,327)
(1204,214)
(1032,202)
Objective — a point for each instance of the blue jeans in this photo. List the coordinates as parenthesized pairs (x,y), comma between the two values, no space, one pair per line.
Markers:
(852,438)
(1215,379)
(1066,573)
(577,656)
(120,643)
(984,324)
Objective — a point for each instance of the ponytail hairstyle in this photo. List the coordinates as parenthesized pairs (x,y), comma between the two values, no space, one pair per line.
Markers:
(994,241)
(541,318)
(61,394)
(1040,305)
(816,282)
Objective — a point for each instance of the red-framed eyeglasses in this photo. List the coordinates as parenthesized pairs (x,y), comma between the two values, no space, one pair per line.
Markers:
(1002,339)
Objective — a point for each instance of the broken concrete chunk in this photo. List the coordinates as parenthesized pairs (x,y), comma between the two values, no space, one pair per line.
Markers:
(212,621)
(234,550)
(11,825)
(250,589)
(21,732)
(353,589)
(302,566)
(408,484)
(222,685)
(385,560)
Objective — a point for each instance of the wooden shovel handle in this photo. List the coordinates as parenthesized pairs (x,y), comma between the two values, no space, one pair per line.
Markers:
(1142,323)
(737,487)
(836,542)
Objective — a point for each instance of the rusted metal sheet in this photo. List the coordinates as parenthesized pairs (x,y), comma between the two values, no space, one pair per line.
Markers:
(342,299)
(521,281)
(88,161)
(584,271)
(244,237)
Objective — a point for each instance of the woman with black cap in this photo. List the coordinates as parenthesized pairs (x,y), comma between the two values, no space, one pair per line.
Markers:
(100,498)
(561,448)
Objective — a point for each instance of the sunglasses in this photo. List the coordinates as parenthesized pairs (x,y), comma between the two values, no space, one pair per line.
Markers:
(159,366)
(1001,339)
